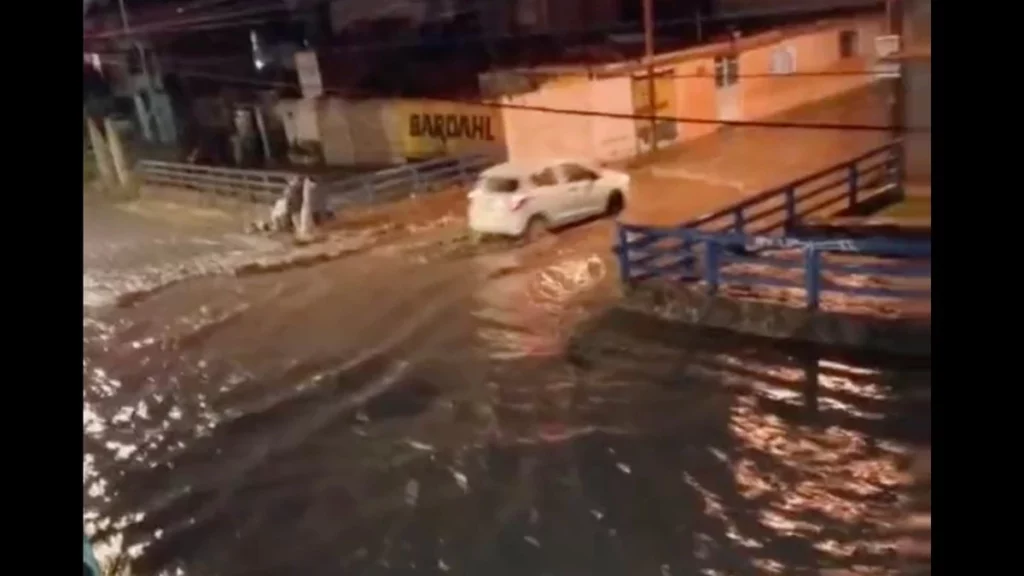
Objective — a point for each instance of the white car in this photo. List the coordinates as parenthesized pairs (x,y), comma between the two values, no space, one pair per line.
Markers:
(526,200)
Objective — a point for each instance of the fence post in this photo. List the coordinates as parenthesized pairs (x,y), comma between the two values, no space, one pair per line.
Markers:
(812,277)
(622,253)
(899,168)
(367,189)
(689,258)
(738,223)
(854,185)
(100,153)
(790,208)
(117,153)
(415,180)
(712,263)
(467,172)
(304,231)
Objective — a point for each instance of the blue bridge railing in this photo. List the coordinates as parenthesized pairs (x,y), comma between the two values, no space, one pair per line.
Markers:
(838,187)
(739,245)
(881,268)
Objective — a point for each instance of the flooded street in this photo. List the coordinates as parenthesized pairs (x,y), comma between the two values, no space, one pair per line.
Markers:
(423,409)
(400,413)
(138,245)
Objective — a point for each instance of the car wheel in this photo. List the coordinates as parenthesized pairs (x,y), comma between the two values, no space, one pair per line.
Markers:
(536,229)
(616,203)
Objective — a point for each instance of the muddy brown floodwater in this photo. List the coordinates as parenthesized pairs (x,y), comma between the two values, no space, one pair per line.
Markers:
(412,410)
(397,414)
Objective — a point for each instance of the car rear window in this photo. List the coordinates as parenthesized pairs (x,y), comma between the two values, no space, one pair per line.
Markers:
(499,184)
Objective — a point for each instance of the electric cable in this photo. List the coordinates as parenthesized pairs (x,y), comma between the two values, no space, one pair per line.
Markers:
(504,104)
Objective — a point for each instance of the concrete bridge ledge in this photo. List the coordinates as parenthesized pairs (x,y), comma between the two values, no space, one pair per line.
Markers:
(691,305)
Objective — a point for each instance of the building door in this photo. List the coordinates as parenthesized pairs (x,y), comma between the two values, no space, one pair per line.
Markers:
(663,132)
(849,44)
(727,93)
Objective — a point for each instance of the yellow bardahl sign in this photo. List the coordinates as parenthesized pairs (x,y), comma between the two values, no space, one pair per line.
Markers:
(431,128)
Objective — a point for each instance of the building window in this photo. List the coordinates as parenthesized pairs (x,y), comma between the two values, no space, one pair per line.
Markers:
(727,71)
(848,41)
(784,60)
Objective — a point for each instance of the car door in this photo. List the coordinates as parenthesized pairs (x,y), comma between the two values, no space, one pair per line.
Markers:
(549,196)
(583,194)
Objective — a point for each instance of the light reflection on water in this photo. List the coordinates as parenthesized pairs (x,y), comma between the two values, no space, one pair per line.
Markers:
(311,424)
(530,314)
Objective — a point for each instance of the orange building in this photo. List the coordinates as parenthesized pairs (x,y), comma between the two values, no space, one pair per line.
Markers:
(741,79)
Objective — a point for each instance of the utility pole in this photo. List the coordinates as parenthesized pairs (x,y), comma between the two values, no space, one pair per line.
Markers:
(894,26)
(649,56)
(140,109)
(127,34)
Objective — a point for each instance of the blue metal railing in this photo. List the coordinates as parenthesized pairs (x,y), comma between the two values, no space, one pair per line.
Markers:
(731,246)
(842,186)
(899,269)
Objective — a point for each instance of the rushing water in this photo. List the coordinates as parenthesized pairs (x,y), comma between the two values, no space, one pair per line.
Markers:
(384,414)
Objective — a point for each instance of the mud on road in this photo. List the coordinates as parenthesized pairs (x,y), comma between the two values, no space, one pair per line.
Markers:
(394,330)
(133,249)
(416,408)
(412,410)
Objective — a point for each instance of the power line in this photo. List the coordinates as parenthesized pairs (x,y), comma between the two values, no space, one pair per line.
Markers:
(183,25)
(588,71)
(593,114)
(222,20)
(528,73)
(196,4)
(214,26)
(225,20)
(570,73)
(224,16)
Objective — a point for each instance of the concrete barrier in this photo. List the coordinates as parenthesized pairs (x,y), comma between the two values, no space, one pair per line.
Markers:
(693,306)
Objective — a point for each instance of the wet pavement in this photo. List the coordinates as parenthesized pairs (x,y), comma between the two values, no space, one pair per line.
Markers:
(385,415)
(685,182)
(416,410)
(140,244)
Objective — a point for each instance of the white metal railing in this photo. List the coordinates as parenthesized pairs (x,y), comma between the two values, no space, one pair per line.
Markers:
(261,186)
(265,186)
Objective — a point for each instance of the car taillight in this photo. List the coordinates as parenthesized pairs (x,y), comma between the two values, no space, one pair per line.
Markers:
(517,203)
